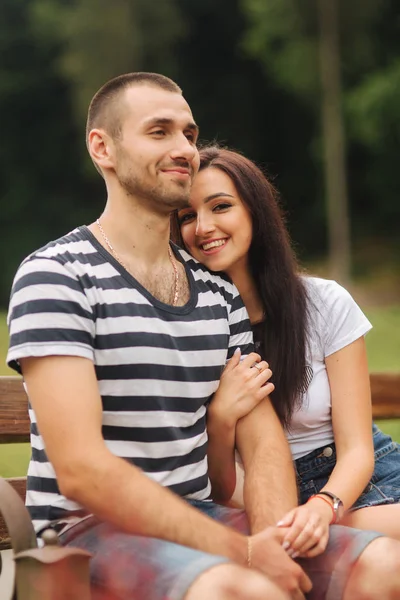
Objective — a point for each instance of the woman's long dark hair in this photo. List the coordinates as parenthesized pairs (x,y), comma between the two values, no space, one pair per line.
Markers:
(276,274)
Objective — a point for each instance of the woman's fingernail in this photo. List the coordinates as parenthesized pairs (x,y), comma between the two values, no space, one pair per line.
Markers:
(295,555)
(237,351)
(279,524)
(286,545)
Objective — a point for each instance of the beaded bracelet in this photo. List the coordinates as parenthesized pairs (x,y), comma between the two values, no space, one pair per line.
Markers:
(328,503)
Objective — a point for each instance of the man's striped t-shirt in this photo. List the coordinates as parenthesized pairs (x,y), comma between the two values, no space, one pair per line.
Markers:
(156,365)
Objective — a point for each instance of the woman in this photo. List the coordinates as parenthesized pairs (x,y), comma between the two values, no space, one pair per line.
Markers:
(311,332)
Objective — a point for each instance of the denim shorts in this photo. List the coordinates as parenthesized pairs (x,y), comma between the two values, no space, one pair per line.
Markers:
(127,567)
(314,470)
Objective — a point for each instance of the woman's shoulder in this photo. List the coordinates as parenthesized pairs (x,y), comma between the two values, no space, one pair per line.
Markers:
(334,314)
(326,293)
(321,285)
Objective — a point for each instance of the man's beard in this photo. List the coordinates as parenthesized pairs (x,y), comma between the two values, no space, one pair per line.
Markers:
(174,195)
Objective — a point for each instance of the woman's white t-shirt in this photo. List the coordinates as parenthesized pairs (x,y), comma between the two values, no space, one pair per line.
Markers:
(335,321)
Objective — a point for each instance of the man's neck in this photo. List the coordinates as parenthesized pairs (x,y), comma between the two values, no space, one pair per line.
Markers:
(136,232)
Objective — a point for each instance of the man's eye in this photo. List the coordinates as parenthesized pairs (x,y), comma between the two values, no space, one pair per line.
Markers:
(186,218)
(159,132)
(191,137)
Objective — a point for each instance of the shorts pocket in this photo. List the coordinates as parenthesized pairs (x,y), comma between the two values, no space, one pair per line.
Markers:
(374,495)
(380,452)
(386,473)
(314,470)
(384,486)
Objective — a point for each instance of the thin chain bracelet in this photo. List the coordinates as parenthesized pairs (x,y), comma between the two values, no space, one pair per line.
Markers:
(249,551)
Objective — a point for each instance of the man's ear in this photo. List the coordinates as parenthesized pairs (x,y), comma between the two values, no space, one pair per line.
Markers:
(101,149)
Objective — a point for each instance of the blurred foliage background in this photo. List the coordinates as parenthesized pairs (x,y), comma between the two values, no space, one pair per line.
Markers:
(309,89)
(259,75)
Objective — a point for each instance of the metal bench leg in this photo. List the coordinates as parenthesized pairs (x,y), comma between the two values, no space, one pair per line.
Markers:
(7,575)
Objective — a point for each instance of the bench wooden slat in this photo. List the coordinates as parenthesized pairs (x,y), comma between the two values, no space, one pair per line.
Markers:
(14,419)
(385,390)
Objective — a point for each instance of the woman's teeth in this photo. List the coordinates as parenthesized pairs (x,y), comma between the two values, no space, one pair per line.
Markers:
(215,244)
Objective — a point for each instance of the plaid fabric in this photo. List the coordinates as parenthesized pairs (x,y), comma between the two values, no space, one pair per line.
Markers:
(126,567)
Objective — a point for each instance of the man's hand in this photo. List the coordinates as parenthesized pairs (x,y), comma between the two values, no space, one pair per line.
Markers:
(268,555)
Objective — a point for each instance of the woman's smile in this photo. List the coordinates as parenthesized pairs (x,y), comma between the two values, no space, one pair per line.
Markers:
(213,246)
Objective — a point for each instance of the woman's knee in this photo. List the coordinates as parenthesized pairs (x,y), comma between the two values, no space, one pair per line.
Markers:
(233,582)
(376,575)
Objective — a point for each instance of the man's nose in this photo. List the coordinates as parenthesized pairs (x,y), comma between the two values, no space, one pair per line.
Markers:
(184,149)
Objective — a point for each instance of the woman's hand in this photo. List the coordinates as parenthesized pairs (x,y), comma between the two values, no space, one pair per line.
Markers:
(308,528)
(242,387)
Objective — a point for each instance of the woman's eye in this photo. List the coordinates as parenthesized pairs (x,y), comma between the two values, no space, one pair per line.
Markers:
(222,206)
(186,218)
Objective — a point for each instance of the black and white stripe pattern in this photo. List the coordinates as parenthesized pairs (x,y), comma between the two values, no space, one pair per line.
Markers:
(156,365)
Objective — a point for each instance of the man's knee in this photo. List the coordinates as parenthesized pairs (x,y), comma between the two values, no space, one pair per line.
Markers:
(376,575)
(233,582)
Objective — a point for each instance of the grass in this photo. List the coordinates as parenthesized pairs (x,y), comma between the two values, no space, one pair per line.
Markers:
(4,370)
(383,347)
(383,341)
(14,459)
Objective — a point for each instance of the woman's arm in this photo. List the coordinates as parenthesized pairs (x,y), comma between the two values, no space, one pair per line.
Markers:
(242,388)
(352,423)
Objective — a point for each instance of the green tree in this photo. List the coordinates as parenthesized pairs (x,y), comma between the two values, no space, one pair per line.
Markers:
(334,141)
(38,140)
(103,39)
(284,35)
(55,54)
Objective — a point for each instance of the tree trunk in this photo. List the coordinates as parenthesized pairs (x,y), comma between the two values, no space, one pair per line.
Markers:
(334,143)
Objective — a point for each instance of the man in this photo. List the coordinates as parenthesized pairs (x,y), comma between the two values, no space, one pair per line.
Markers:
(121,341)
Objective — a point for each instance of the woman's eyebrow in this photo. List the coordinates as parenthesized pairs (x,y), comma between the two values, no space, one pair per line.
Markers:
(207,199)
(216,195)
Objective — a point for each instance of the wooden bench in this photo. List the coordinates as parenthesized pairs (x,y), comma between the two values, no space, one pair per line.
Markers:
(14,421)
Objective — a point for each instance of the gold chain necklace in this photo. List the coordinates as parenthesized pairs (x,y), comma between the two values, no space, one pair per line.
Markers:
(171,258)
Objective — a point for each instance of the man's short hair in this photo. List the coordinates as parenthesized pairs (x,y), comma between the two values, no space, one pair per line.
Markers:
(103,111)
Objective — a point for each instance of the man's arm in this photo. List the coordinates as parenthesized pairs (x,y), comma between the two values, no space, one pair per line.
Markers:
(64,394)
(238,393)
(270,483)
